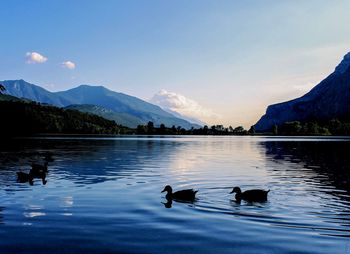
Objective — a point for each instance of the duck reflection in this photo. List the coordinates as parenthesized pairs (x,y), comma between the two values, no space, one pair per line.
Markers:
(87,161)
(37,171)
(23,177)
(40,175)
(169,202)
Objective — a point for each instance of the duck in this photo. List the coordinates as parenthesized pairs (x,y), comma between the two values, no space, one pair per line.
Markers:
(186,195)
(255,195)
(24,177)
(38,168)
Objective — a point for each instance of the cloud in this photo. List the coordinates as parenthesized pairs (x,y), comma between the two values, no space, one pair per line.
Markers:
(35,57)
(182,105)
(69,65)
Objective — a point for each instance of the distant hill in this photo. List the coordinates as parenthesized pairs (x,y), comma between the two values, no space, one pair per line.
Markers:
(328,100)
(22,118)
(23,89)
(121,118)
(126,109)
(6,97)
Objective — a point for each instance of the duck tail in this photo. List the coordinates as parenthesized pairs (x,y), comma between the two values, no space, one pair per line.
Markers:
(195,192)
(268,191)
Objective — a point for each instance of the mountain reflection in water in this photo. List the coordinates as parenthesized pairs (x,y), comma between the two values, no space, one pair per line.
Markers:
(325,162)
(103,195)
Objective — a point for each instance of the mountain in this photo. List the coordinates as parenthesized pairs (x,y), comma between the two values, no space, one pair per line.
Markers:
(124,119)
(122,104)
(117,106)
(328,100)
(23,89)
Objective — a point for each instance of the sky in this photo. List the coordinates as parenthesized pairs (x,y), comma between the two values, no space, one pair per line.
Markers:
(220,61)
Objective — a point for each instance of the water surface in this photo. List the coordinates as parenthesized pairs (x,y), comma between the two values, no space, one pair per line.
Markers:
(103,195)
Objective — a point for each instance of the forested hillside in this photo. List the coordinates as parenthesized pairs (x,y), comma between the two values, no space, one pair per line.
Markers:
(27,118)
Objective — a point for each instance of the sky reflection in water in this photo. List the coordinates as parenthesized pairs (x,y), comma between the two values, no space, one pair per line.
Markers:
(103,195)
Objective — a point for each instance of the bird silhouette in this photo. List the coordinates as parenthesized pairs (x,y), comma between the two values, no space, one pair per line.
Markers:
(186,195)
(255,195)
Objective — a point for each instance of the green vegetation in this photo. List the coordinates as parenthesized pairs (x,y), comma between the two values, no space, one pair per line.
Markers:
(27,118)
(149,129)
(332,127)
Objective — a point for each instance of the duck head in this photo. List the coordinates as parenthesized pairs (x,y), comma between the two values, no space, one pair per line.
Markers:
(237,190)
(168,189)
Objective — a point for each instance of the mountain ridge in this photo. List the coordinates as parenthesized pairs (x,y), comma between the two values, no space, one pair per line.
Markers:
(136,110)
(327,100)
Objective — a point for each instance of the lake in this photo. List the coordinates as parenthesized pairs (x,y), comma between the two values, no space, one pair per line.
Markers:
(102,195)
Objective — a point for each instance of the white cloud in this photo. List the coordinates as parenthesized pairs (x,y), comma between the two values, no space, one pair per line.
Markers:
(35,57)
(69,65)
(182,105)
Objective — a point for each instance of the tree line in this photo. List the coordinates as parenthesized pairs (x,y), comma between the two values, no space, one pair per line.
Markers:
(150,129)
(20,118)
(332,127)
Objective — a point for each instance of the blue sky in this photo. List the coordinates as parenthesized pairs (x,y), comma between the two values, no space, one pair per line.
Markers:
(225,60)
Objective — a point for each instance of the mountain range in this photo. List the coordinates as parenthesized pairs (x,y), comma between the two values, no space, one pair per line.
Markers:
(328,100)
(124,109)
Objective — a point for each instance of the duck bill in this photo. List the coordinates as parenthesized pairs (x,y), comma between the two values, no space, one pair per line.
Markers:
(231,192)
(162,191)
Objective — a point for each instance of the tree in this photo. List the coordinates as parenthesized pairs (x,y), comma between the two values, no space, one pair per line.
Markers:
(173,129)
(141,129)
(275,129)
(238,130)
(230,129)
(291,128)
(150,127)
(178,129)
(335,127)
(162,129)
(251,131)
(213,130)
(205,130)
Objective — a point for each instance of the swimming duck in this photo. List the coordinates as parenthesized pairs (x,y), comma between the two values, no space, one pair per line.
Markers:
(188,195)
(256,195)
(37,168)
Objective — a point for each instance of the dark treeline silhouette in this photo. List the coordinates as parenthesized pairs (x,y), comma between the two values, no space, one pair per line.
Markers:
(150,129)
(332,127)
(20,118)
(24,117)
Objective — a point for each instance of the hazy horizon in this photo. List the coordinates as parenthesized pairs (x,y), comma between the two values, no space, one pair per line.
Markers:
(221,62)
